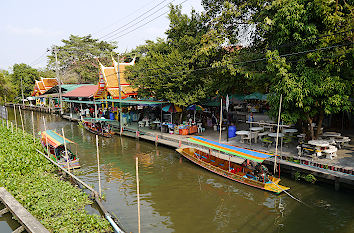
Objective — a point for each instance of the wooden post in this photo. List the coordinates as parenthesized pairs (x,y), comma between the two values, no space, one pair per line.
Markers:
(66,151)
(220,119)
(34,138)
(276,142)
(23,128)
(15,116)
(46,139)
(98,167)
(137,190)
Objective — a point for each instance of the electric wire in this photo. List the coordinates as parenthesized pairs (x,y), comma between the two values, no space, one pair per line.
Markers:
(119,20)
(114,31)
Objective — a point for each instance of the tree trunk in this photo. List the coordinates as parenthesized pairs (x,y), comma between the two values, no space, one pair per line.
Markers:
(319,125)
(309,119)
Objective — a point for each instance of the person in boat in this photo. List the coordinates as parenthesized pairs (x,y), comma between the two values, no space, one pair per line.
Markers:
(261,172)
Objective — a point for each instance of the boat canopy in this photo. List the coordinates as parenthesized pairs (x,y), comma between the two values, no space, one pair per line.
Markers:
(97,119)
(54,139)
(234,150)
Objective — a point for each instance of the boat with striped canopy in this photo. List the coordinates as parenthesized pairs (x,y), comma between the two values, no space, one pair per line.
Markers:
(58,148)
(235,163)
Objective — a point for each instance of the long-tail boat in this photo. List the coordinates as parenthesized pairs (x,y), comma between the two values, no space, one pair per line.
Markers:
(98,126)
(235,163)
(53,143)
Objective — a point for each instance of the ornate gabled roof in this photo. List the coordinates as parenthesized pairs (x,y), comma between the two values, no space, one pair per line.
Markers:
(40,87)
(108,81)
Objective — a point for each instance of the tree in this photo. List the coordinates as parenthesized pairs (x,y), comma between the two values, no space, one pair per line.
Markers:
(77,58)
(167,68)
(28,75)
(313,83)
(6,88)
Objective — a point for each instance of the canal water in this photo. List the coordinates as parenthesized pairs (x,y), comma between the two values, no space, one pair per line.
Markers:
(178,196)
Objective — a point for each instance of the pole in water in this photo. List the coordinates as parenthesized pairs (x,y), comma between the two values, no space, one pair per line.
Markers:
(34,138)
(46,139)
(277,139)
(15,116)
(23,128)
(66,151)
(98,167)
(137,190)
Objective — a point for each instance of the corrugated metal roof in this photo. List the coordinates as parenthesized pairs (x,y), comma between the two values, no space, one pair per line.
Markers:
(82,91)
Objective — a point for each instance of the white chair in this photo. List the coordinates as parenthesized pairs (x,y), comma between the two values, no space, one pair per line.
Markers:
(331,152)
(141,124)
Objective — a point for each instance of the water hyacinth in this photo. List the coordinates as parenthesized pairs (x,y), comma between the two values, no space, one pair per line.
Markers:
(30,178)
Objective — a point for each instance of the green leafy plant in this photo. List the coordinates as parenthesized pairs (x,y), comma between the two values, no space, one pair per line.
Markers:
(32,180)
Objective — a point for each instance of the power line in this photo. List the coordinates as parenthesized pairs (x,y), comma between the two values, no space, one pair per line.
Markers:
(37,60)
(250,61)
(127,16)
(144,23)
(154,7)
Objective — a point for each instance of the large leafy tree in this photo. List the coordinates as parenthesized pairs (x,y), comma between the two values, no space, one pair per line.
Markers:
(77,58)
(23,77)
(169,69)
(309,44)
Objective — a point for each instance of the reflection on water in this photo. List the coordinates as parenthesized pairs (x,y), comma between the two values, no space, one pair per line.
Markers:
(178,196)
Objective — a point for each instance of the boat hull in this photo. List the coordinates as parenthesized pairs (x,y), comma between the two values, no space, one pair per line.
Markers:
(272,186)
(91,130)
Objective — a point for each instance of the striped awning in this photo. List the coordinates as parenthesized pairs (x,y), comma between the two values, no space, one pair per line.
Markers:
(234,150)
(54,139)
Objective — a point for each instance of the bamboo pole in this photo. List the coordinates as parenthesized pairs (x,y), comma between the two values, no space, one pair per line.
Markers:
(277,139)
(98,167)
(46,139)
(23,128)
(15,116)
(138,191)
(66,151)
(220,119)
(34,138)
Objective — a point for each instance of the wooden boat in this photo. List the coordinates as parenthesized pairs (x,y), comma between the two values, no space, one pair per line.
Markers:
(98,126)
(234,163)
(53,143)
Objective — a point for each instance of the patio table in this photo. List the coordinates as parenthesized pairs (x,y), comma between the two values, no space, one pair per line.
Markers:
(291,131)
(242,133)
(256,130)
(331,135)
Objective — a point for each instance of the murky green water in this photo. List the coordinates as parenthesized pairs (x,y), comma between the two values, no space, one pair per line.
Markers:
(178,196)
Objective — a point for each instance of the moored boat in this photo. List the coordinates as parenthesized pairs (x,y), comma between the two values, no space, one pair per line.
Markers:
(53,143)
(235,163)
(98,126)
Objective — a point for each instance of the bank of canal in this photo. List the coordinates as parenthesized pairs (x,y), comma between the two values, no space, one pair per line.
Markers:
(177,196)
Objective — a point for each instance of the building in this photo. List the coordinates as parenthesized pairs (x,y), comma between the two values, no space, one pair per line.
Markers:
(108,85)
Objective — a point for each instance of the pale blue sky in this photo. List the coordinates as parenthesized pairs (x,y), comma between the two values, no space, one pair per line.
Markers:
(29,27)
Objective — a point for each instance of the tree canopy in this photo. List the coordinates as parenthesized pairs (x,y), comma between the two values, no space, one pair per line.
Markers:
(77,58)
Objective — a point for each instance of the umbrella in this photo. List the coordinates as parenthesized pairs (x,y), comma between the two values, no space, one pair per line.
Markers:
(195,107)
(171,108)
(254,96)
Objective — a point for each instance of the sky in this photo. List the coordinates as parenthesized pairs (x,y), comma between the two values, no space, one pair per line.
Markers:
(29,28)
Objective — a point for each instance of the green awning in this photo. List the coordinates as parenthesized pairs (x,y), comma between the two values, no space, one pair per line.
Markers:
(83,101)
(136,102)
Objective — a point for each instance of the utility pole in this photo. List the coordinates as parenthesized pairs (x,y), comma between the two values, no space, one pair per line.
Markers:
(55,50)
(120,99)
